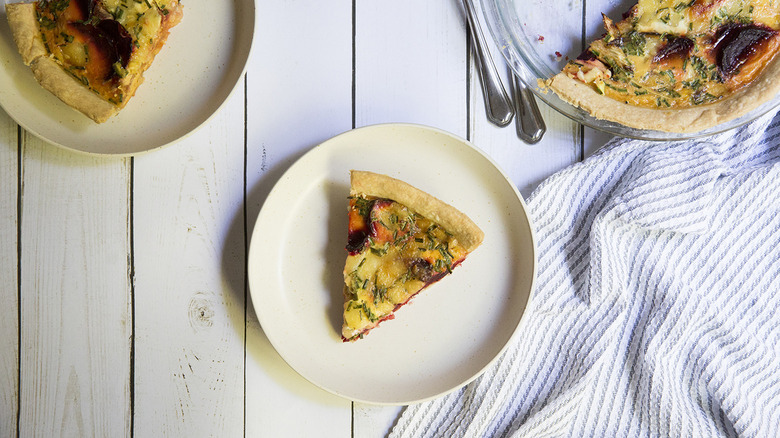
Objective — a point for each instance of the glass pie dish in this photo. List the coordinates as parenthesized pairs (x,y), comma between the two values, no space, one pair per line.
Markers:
(538,37)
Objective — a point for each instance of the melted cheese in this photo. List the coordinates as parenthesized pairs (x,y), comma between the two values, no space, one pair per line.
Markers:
(146,22)
(767,12)
(403,253)
(681,17)
(678,78)
(643,64)
(75,53)
(663,16)
(143,21)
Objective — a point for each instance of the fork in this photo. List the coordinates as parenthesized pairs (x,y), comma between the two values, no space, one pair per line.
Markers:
(498,105)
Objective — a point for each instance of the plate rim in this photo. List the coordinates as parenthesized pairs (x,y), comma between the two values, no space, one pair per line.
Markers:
(253,254)
(250,49)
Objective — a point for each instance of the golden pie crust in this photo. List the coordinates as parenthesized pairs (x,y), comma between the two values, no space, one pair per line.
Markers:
(678,66)
(401,240)
(451,219)
(684,120)
(47,71)
(52,75)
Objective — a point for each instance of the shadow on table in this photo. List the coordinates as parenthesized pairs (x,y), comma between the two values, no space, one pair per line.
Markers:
(258,348)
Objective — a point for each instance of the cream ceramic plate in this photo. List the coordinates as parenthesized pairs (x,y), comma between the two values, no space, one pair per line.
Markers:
(451,331)
(192,76)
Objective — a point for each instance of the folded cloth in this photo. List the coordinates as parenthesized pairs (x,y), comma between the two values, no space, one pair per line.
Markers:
(656,310)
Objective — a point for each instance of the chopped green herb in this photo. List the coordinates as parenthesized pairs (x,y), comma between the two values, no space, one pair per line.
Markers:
(119,70)
(693,85)
(619,73)
(679,7)
(699,67)
(363,205)
(58,5)
(618,89)
(669,92)
(380,251)
(633,43)
(701,97)
(46,22)
(369,313)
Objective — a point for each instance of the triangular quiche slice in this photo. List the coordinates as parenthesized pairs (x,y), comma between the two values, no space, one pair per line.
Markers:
(92,54)
(400,240)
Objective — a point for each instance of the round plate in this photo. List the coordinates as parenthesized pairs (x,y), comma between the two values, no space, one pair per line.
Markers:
(449,333)
(537,47)
(190,79)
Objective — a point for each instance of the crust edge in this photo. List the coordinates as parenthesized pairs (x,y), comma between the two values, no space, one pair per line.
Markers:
(683,121)
(69,90)
(48,72)
(452,219)
(24,27)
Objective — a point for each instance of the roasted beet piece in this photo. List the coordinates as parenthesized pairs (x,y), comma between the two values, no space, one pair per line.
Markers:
(675,48)
(735,43)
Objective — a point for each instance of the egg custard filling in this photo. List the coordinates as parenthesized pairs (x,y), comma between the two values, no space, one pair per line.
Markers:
(92,53)
(394,250)
(693,63)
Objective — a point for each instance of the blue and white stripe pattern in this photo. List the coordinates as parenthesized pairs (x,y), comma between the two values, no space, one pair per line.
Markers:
(657,306)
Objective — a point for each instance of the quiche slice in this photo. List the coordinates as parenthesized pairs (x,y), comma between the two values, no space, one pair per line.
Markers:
(678,65)
(92,54)
(400,240)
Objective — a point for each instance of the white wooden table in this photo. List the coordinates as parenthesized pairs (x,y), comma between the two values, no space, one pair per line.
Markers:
(124,307)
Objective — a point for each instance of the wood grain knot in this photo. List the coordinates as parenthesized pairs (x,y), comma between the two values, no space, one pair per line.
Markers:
(201,311)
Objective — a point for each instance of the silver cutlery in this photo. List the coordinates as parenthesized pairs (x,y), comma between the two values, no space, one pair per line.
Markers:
(497,103)
(529,124)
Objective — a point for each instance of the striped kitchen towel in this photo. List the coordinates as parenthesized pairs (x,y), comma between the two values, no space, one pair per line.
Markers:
(656,311)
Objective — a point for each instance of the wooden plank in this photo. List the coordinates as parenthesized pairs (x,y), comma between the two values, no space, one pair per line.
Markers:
(595,140)
(189,282)
(9,318)
(526,165)
(449,98)
(374,420)
(410,66)
(300,89)
(75,294)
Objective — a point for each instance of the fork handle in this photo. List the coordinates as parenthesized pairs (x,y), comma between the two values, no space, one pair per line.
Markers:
(530,124)
(498,106)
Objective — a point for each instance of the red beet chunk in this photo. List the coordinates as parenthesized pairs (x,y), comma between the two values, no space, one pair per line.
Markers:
(676,48)
(736,43)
